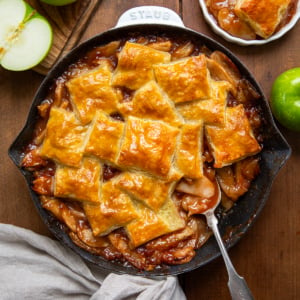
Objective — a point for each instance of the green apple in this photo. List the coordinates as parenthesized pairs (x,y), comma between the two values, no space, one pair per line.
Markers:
(25,36)
(58,2)
(285,99)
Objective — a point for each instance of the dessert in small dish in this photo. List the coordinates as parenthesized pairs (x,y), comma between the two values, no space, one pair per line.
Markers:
(251,22)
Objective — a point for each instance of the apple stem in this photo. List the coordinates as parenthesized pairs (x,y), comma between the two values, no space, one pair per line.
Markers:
(29,16)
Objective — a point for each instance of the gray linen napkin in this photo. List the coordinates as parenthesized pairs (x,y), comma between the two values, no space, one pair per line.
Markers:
(36,267)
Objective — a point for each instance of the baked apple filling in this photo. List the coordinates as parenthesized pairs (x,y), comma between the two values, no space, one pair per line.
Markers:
(131,140)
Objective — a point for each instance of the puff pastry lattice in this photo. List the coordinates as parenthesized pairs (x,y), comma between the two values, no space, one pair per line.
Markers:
(132,143)
(158,142)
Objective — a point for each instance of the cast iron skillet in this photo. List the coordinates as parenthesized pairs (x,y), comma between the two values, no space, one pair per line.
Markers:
(273,156)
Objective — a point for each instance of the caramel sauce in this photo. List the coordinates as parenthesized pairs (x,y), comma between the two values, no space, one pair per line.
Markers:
(109,172)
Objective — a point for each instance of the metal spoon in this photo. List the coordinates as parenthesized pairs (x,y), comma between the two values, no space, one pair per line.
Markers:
(237,285)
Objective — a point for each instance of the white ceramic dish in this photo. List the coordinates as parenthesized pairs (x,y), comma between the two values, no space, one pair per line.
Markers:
(218,30)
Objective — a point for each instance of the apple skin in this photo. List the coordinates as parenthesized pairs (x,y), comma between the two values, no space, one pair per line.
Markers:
(285,99)
(58,2)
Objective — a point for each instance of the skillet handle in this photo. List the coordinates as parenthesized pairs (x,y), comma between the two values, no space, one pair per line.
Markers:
(149,15)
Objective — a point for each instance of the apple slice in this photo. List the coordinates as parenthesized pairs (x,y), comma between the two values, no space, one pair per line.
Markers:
(25,36)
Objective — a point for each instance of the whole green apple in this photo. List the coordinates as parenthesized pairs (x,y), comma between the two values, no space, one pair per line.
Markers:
(58,2)
(285,99)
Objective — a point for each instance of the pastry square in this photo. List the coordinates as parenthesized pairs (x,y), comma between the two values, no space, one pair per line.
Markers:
(234,141)
(169,213)
(189,150)
(263,16)
(92,91)
(184,80)
(105,137)
(81,184)
(135,64)
(65,138)
(115,210)
(210,111)
(150,225)
(148,146)
(150,103)
(150,191)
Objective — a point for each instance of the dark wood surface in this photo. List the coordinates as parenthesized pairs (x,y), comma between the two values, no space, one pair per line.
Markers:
(268,256)
(68,24)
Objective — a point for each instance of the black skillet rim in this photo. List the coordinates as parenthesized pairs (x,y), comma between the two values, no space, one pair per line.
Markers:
(275,153)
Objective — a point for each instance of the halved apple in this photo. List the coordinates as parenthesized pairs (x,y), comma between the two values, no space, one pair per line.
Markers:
(25,36)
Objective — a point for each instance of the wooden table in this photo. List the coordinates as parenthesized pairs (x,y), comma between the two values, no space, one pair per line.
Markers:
(269,255)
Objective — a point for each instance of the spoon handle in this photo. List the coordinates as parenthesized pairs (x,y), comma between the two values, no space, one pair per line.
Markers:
(237,285)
